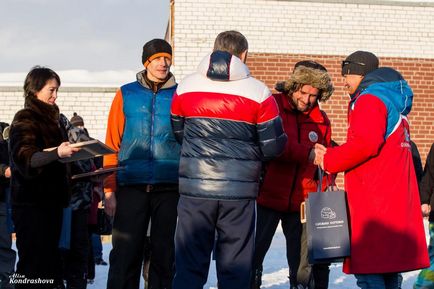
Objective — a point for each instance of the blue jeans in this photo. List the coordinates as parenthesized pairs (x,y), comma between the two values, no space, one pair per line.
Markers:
(377,281)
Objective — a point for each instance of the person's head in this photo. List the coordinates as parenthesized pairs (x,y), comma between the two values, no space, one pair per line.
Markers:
(233,42)
(4,131)
(77,120)
(356,66)
(157,59)
(42,83)
(308,84)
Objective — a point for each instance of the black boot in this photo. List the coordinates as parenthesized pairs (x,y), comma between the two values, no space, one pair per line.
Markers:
(320,274)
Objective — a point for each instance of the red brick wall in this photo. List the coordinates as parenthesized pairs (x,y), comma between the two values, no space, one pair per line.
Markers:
(419,73)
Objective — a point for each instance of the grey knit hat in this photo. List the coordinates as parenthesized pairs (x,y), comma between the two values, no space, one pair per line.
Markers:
(77,120)
(359,63)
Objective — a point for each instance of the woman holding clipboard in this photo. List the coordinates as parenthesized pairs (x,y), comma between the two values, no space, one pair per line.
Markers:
(39,182)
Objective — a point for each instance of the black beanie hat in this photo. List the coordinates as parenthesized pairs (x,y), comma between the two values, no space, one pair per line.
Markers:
(155,48)
(359,63)
(77,120)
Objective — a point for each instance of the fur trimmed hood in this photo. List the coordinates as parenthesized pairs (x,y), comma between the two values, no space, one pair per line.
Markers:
(311,76)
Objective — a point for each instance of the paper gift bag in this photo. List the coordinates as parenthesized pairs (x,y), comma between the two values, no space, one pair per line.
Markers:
(327,227)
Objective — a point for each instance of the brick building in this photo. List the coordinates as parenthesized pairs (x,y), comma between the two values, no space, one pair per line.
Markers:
(282,32)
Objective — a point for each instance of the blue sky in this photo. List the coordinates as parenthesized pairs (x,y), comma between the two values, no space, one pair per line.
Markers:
(94,35)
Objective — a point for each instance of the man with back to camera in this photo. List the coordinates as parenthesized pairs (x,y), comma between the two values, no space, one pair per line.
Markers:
(228,123)
(289,178)
(147,187)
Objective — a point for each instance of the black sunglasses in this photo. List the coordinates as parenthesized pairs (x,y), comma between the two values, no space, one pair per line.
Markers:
(346,62)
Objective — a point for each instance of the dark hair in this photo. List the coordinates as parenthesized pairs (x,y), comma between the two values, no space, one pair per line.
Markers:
(231,41)
(36,80)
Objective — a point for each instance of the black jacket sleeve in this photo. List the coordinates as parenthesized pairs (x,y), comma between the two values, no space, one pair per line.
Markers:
(427,183)
(272,138)
(417,162)
(40,159)
(177,127)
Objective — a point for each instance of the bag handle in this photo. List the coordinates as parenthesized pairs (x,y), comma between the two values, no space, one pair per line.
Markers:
(320,179)
(329,184)
(303,216)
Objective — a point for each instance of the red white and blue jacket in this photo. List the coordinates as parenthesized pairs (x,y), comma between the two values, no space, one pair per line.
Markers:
(228,123)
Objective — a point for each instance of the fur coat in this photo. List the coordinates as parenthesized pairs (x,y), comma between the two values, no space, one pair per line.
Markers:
(35,128)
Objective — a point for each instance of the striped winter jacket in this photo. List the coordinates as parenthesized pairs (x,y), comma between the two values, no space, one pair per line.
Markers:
(228,123)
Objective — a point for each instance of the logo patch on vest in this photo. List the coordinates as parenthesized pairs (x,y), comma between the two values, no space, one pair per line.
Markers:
(313,136)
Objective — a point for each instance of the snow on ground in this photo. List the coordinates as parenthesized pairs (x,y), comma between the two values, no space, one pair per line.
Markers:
(275,271)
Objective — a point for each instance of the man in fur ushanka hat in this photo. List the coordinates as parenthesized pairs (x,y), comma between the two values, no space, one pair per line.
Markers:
(312,75)
(289,178)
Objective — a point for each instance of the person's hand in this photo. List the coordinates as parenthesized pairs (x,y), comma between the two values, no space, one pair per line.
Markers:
(426,209)
(8,173)
(65,150)
(319,151)
(110,203)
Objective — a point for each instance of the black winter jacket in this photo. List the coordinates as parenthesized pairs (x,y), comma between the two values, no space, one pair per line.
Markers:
(427,184)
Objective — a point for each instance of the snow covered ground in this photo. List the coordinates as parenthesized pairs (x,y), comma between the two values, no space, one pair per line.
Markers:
(275,271)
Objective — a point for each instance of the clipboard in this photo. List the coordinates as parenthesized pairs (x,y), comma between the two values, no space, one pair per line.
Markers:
(98,172)
(88,149)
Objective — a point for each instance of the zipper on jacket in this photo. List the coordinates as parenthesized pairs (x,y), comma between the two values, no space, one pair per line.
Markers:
(152,125)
